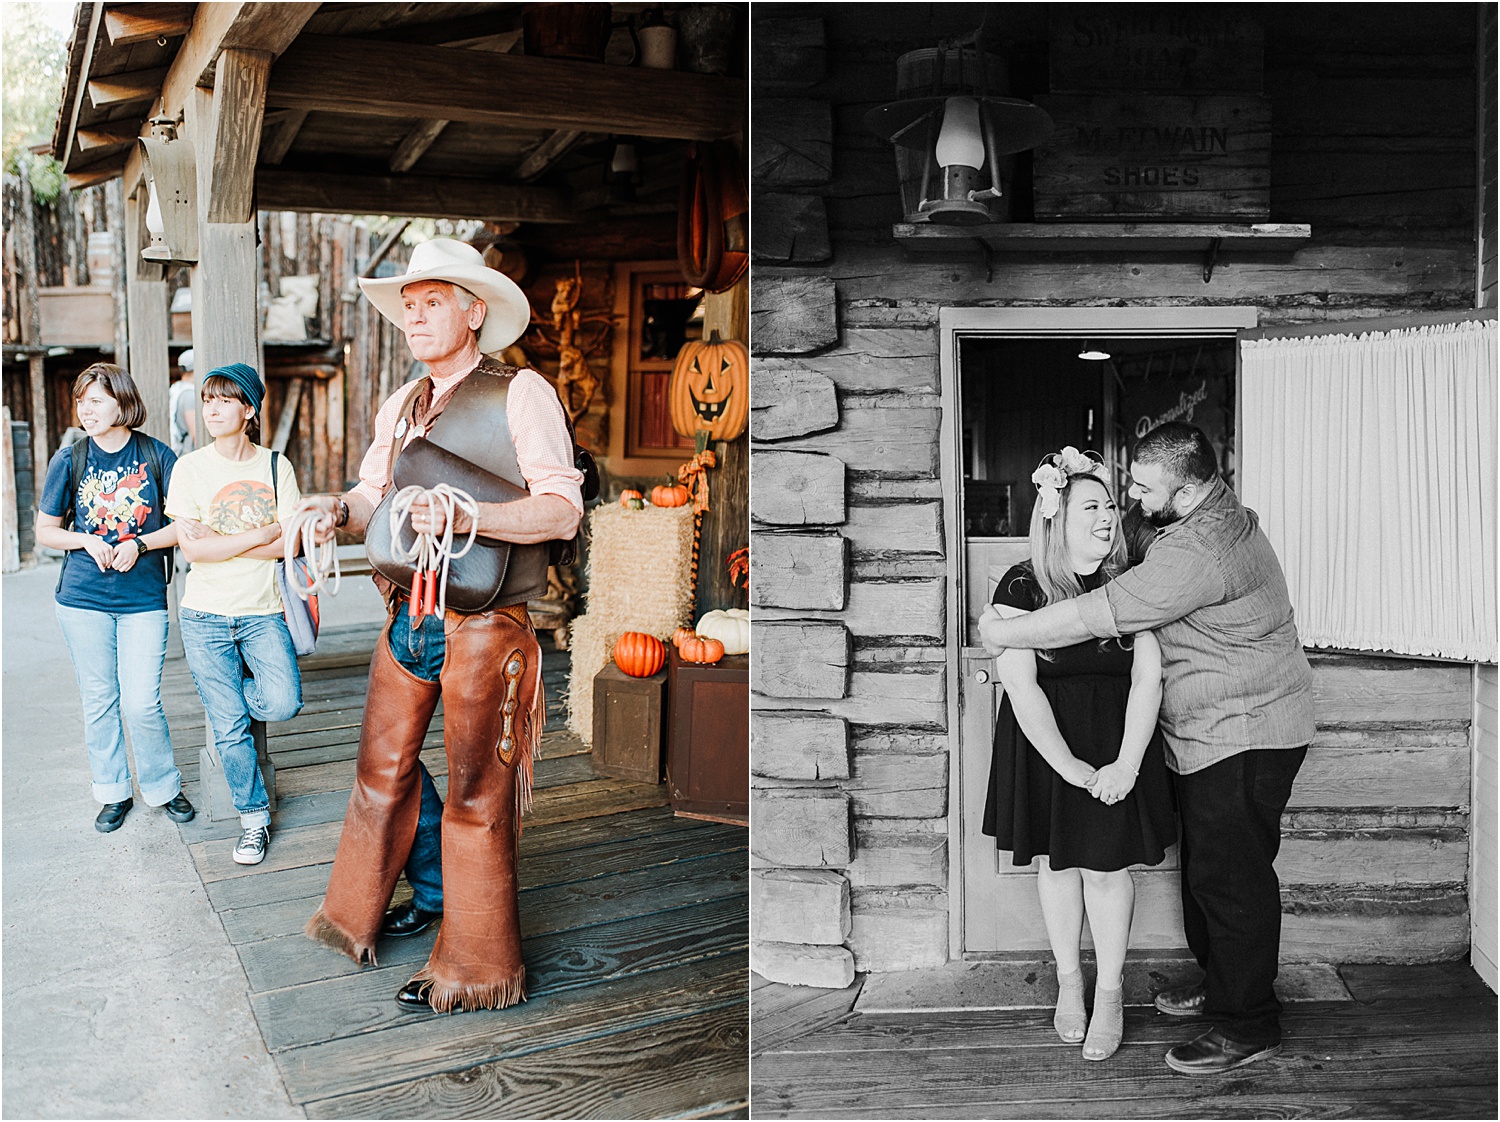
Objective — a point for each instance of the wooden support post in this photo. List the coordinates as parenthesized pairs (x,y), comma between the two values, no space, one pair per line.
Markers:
(146,305)
(114,205)
(32,310)
(224,126)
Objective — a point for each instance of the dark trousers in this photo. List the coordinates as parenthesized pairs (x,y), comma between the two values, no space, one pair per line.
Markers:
(1231,897)
(421,653)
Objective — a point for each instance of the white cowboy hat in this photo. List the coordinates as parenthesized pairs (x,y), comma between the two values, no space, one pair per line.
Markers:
(507,311)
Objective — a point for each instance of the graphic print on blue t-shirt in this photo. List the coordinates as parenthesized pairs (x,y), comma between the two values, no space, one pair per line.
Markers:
(117,501)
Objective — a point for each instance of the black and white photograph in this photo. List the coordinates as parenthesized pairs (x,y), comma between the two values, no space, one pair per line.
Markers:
(1124,438)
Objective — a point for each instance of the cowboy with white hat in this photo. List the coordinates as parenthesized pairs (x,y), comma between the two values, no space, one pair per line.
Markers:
(484,664)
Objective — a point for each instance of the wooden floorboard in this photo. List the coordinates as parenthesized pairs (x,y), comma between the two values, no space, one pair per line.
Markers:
(634,922)
(660,1071)
(1417,1042)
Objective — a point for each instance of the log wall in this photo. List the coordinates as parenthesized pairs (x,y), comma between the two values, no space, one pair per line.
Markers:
(1373,144)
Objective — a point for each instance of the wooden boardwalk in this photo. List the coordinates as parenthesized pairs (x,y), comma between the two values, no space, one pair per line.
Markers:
(635,927)
(1415,1042)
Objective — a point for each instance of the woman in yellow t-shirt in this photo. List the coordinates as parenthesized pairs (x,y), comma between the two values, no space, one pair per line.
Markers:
(228,508)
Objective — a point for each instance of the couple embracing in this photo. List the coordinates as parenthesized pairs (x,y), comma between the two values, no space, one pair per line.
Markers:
(1181,681)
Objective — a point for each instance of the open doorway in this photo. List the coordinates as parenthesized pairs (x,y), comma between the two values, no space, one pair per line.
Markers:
(1020,396)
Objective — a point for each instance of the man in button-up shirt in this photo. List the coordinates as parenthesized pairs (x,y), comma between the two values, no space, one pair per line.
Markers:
(1237,716)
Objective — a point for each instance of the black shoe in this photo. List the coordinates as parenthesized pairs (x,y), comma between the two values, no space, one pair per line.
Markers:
(413,996)
(1213,1053)
(179,809)
(407,919)
(112,816)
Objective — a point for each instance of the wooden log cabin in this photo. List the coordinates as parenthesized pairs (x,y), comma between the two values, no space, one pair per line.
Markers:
(320,130)
(1217,179)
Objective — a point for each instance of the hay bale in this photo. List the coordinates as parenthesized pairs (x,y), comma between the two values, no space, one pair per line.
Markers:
(639,580)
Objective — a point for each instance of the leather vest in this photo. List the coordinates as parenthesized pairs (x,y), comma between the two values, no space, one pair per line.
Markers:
(468,446)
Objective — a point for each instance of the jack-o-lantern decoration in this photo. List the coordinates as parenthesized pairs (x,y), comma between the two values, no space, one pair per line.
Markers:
(710,389)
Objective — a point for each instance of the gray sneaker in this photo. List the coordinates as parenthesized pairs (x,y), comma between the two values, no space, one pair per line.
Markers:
(251,849)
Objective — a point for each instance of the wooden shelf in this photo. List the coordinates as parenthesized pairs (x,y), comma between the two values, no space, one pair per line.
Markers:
(1094,237)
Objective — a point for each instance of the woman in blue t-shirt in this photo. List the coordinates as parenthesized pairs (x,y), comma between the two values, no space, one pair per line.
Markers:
(112,592)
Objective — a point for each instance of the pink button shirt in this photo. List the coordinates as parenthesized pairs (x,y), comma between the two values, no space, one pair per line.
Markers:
(544,450)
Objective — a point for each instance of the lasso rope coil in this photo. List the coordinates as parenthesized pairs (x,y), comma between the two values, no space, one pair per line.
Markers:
(322,559)
(431,555)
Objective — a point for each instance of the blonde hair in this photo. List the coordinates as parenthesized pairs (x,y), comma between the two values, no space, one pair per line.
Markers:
(1050,563)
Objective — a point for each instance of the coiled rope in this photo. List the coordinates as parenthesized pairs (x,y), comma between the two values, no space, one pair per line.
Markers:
(429,555)
(322,560)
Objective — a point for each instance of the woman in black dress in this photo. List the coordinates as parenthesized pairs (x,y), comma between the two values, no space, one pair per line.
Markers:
(1078,781)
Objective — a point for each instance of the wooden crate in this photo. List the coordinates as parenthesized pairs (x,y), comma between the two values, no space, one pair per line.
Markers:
(1146,156)
(1186,48)
(708,738)
(628,719)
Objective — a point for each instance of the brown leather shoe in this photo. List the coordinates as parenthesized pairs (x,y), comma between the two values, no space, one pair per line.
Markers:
(1184,1001)
(1213,1053)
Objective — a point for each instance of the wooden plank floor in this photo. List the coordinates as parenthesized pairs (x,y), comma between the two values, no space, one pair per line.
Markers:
(634,925)
(1416,1042)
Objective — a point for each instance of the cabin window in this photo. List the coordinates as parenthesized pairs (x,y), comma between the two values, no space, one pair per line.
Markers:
(661,314)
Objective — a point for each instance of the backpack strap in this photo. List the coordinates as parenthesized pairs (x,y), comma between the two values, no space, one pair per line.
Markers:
(78,458)
(151,452)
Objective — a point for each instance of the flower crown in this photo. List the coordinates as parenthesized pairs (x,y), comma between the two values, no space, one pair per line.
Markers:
(1057,468)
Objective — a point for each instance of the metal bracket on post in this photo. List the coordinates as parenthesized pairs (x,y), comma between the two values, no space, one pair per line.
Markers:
(1213,256)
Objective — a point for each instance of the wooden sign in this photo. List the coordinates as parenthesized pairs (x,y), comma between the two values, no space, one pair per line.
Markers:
(1186,48)
(1145,156)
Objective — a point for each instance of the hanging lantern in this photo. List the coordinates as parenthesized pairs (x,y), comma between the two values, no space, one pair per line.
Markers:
(172,194)
(624,174)
(953,131)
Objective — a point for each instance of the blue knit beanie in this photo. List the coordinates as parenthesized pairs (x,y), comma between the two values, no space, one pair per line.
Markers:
(246,378)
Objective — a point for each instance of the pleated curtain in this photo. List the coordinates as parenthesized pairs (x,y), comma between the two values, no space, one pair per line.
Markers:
(1371,462)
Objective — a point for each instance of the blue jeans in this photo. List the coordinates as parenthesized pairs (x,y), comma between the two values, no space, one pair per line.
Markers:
(220,650)
(117,658)
(421,653)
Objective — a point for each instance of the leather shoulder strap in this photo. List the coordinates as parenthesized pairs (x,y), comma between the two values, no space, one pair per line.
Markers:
(408,414)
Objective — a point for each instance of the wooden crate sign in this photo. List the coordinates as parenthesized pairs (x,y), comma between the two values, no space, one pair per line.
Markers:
(1186,48)
(1143,156)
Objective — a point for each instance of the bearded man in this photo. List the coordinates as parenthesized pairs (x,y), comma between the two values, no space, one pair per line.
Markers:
(476,415)
(1237,715)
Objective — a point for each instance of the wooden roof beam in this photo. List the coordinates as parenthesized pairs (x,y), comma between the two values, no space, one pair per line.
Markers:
(416,143)
(116,134)
(220,26)
(140,23)
(508,91)
(123,89)
(409,196)
(548,152)
(285,127)
(80,57)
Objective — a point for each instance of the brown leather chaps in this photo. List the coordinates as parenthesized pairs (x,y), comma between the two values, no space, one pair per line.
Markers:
(490,685)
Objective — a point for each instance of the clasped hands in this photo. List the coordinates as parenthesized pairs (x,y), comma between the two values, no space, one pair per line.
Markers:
(1110,783)
(121,558)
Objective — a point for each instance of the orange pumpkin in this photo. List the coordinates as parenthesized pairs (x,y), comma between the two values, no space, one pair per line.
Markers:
(639,655)
(670,495)
(632,500)
(699,649)
(710,389)
(680,634)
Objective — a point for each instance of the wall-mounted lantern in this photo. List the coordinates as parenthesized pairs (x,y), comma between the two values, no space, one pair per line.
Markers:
(624,175)
(172,186)
(952,130)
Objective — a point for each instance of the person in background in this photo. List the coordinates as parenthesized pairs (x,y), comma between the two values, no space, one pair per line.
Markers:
(1079,780)
(182,407)
(229,508)
(102,505)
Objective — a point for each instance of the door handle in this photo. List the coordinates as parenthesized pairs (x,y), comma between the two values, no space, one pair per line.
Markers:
(981,676)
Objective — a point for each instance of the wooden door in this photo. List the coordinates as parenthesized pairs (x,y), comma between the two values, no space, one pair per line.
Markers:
(1001,913)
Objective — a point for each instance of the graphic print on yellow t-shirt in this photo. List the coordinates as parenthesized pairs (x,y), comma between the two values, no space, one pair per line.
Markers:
(245,504)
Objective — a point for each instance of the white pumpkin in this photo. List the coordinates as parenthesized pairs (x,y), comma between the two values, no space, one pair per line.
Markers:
(732,628)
